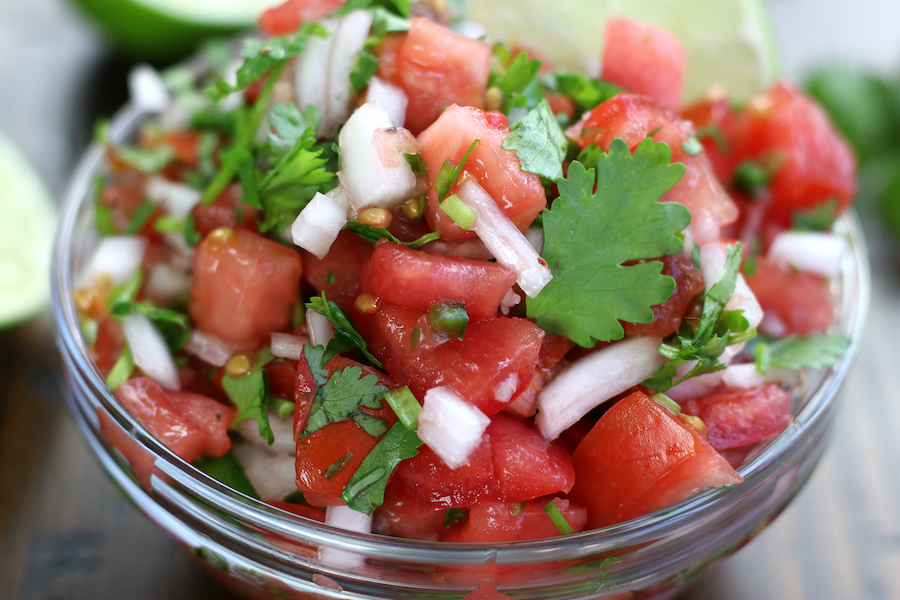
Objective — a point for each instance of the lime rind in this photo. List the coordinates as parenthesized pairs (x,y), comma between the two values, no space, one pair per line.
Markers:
(27,226)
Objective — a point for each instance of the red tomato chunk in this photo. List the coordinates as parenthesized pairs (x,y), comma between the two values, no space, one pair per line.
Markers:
(245,286)
(793,302)
(492,522)
(337,274)
(742,417)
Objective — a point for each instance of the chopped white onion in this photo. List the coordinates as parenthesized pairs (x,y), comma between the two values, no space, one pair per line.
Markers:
(451,426)
(177,198)
(117,256)
(392,97)
(272,476)
(745,376)
(503,391)
(210,348)
(348,42)
(509,300)
(320,330)
(695,387)
(535,237)
(149,350)
(773,325)
(283,432)
(320,221)
(166,282)
(508,245)
(712,263)
(147,89)
(372,163)
(286,345)
(594,379)
(346,518)
(810,251)
(311,75)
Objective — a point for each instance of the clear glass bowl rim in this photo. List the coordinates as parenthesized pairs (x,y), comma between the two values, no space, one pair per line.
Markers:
(854,306)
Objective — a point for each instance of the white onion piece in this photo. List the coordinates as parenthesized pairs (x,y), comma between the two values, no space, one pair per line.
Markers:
(392,97)
(594,379)
(320,330)
(375,172)
(695,387)
(535,237)
(348,42)
(166,282)
(509,300)
(503,239)
(286,345)
(311,75)
(210,348)
(712,263)
(283,432)
(177,198)
(745,376)
(773,325)
(811,252)
(470,29)
(346,518)
(451,426)
(147,89)
(272,476)
(149,350)
(320,221)
(117,256)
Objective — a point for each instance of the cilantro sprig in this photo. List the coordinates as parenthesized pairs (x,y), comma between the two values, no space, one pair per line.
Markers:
(590,234)
(518,85)
(345,335)
(340,398)
(814,352)
(250,394)
(539,142)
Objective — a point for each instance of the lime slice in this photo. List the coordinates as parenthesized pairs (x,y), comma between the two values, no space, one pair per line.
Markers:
(728,42)
(164,29)
(27,225)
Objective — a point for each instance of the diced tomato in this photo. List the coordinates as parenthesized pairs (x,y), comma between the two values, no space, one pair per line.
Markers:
(553,349)
(667,316)
(108,346)
(742,417)
(123,195)
(282,378)
(492,522)
(428,479)
(305,390)
(244,287)
(327,458)
(644,59)
(724,133)
(436,68)
(402,515)
(784,124)
(337,274)
(286,18)
(489,367)
(793,302)
(211,416)
(519,195)
(561,104)
(184,144)
(141,460)
(227,211)
(413,278)
(634,118)
(639,458)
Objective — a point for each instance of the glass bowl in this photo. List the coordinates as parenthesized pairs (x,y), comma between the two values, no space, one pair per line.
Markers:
(263,552)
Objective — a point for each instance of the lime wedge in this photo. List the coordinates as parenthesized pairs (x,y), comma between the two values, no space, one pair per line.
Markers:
(165,29)
(728,42)
(27,225)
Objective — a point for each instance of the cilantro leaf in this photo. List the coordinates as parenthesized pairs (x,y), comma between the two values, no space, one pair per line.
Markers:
(373,234)
(146,160)
(590,234)
(586,93)
(250,394)
(815,352)
(229,471)
(261,56)
(174,326)
(345,392)
(289,124)
(518,85)
(817,218)
(449,172)
(315,357)
(400,8)
(364,491)
(539,142)
(365,67)
(102,213)
(345,335)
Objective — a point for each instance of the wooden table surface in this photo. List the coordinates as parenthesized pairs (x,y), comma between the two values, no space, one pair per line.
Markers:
(67,534)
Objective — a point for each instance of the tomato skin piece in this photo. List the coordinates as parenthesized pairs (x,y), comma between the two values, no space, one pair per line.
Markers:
(436,68)
(108,346)
(519,195)
(667,316)
(244,288)
(639,458)
(282,378)
(742,417)
(343,262)
(818,163)
(633,118)
(800,302)
(408,277)
(286,18)
(644,59)
(493,522)
(494,355)
(401,515)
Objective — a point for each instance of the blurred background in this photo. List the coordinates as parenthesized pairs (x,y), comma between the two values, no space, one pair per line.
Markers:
(67,533)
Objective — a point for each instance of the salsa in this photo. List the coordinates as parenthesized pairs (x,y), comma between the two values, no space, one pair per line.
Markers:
(472,297)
